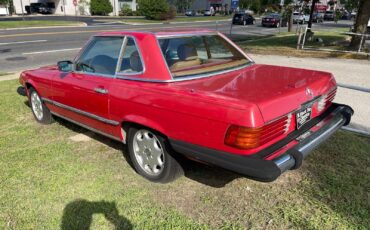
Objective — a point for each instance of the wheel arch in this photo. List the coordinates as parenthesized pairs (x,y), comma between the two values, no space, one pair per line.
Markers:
(28,84)
(140,122)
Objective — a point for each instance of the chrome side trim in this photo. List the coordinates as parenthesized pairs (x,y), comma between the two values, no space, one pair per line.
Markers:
(187,78)
(86,127)
(186,34)
(90,115)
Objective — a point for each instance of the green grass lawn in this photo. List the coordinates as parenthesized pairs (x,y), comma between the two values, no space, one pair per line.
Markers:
(286,43)
(177,19)
(35,23)
(48,181)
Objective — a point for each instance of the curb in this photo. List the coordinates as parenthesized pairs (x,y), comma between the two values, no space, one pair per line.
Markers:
(82,24)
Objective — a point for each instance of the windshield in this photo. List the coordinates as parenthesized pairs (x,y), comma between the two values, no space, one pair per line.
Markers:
(188,56)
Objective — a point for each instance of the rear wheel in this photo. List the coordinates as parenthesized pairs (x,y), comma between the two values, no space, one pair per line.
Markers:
(151,157)
(40,111)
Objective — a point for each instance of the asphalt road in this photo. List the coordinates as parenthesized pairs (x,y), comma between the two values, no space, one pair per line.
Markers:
(29,48)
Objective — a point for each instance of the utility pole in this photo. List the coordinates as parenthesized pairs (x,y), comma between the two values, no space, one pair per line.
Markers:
(22,10)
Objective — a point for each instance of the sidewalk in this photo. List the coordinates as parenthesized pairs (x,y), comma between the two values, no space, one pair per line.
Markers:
(10,76)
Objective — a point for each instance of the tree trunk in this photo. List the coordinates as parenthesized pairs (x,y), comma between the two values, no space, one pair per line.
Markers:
(362,18)
(309,25)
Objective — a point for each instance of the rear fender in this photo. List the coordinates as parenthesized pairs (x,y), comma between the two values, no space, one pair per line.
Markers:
(135,120)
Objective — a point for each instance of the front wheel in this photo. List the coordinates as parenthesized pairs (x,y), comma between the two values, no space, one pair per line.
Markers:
(40,111)
(151,157)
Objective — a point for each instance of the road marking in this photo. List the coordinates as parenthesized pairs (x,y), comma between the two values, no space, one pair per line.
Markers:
(94,31)
(51,51)
(22,42)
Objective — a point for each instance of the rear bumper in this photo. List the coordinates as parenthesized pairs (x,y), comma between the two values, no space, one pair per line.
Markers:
(255,166)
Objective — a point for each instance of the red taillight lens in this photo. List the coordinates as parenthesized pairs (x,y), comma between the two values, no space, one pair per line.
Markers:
(249,138)
(326,100)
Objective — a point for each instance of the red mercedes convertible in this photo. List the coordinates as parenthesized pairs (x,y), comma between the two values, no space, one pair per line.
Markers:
(189,93)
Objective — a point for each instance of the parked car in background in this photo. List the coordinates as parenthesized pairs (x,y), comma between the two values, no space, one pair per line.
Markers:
(243,19)
(208,13)
(41,8)
(274,20)
(318,17)
(298,17)
(190,13)
(329,15)
(189,93)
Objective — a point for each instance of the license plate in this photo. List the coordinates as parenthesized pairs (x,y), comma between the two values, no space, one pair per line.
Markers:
(303,116)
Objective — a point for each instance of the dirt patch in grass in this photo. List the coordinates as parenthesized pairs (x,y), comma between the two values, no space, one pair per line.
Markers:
(48,181)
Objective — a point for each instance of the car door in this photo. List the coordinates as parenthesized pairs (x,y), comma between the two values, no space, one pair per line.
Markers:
(83,94)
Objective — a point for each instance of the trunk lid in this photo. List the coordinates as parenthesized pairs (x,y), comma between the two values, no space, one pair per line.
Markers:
(276,90)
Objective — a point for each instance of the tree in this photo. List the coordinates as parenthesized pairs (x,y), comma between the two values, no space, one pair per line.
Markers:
(311,13)
(155,9)
(363,15)
(183,5)
(100,7)
(350,5)
(254,5)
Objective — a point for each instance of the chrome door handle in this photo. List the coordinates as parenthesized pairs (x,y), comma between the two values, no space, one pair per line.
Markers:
(101,90)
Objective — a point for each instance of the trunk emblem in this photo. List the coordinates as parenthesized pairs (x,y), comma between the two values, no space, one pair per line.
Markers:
(309,92)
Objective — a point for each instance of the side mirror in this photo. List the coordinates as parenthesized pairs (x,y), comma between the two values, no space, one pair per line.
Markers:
(65,66)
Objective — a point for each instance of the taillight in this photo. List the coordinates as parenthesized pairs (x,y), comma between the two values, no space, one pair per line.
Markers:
(326,100)
(249,138)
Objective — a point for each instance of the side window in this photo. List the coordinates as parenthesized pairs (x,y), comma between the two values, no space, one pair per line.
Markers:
(100,56)
(217,47)
(131,61)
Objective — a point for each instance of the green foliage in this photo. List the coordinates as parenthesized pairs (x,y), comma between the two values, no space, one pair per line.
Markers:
(183,5)
(100,7)
(156,9)
(254,5)
(126,11)
(350,5)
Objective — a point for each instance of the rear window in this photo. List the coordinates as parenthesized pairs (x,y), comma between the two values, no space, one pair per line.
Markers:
(189,56)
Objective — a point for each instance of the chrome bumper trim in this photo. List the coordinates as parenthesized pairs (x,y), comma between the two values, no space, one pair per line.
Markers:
(293,157)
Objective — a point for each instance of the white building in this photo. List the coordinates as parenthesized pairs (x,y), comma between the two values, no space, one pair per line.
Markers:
(67,7)
(4,11)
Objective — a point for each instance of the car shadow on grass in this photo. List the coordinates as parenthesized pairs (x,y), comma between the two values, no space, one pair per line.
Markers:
(79,213)
(208,175)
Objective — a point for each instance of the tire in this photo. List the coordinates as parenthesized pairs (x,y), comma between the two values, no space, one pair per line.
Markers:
(278,25)
(144,146)
(40,111)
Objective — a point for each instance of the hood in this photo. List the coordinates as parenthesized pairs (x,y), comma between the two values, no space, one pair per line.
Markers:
(275,90)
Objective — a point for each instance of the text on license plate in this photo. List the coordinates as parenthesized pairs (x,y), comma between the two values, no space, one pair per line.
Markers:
(303,116)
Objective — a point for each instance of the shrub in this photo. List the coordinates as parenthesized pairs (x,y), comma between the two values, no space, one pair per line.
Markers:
(126,11)
(155,9)
(100,7)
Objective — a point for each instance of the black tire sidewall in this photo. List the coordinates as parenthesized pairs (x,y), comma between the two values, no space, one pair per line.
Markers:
(46,115)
